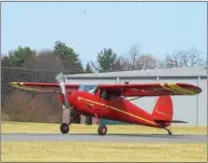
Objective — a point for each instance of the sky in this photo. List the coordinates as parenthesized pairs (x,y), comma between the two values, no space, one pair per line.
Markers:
(88,27)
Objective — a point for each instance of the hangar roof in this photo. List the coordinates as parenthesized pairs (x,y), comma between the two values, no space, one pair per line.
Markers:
(169,72)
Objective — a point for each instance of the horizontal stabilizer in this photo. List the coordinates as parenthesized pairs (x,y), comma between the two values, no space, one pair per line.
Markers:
(173,121)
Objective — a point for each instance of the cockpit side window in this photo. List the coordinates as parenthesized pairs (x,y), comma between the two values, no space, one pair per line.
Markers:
(103,94)
(88,88)
(109,96)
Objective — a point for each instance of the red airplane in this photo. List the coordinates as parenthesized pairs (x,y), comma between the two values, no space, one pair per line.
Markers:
(109,101)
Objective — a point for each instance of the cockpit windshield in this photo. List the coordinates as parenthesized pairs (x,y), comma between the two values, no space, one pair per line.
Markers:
(88,88)
(92,91)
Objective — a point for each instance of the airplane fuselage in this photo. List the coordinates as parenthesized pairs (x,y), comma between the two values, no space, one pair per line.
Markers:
(112,109)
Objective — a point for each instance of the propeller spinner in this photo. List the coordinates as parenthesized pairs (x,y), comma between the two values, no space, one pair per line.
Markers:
(61,80)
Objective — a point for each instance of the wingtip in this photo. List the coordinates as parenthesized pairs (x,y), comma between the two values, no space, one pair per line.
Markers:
(13,84)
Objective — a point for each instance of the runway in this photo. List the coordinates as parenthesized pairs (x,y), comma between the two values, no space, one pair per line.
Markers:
(108,137)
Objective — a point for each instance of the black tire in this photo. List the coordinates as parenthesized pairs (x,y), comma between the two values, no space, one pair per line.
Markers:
(102,130)
(64,128)
(170,133)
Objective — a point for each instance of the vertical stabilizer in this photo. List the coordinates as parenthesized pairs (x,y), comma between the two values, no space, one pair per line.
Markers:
(163,109)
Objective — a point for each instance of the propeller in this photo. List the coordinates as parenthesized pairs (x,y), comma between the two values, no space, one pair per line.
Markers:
(61,80)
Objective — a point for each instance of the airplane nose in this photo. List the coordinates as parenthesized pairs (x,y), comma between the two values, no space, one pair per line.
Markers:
(72,97)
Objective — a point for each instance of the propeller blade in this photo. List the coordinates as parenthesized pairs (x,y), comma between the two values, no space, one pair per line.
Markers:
(61,80)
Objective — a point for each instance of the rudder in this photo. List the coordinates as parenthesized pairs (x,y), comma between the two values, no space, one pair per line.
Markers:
(163,109)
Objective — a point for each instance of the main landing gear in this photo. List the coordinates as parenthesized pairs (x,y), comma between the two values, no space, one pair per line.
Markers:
(169,132)
(64,127)
(102,129)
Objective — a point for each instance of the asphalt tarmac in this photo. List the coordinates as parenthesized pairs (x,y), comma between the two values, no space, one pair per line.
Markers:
(108,137)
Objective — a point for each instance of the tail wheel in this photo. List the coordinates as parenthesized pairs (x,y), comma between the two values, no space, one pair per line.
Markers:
(102,130)
(64,128)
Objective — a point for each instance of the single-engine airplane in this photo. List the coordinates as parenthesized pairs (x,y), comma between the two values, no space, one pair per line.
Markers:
(109,101)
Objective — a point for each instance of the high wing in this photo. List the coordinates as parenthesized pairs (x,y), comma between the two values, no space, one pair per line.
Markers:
(42,87)
(157,89)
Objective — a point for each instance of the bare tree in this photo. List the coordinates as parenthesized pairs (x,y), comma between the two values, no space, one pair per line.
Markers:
(122,64)
(182,58)
(134,53)
(146,61)
(45,60)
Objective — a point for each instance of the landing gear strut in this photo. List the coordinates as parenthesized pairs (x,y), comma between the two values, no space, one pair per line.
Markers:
(102,129)
(169,132)
(64,127)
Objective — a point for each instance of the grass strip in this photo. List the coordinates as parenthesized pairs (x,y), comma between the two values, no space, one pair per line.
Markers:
(103,151)
(21,127)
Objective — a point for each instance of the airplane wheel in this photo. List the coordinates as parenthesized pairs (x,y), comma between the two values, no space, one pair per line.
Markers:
(64,128)
(102,130)
(170,133)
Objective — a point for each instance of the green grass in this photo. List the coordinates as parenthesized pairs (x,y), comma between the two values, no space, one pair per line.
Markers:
(102,151)
(21,127)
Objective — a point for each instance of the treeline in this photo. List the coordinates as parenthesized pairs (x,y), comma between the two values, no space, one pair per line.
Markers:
(26,64)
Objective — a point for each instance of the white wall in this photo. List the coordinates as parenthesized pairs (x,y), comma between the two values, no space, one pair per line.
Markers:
(91,81)
(202,110)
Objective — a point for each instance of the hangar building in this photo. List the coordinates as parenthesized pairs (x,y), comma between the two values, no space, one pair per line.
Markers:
(192,109)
